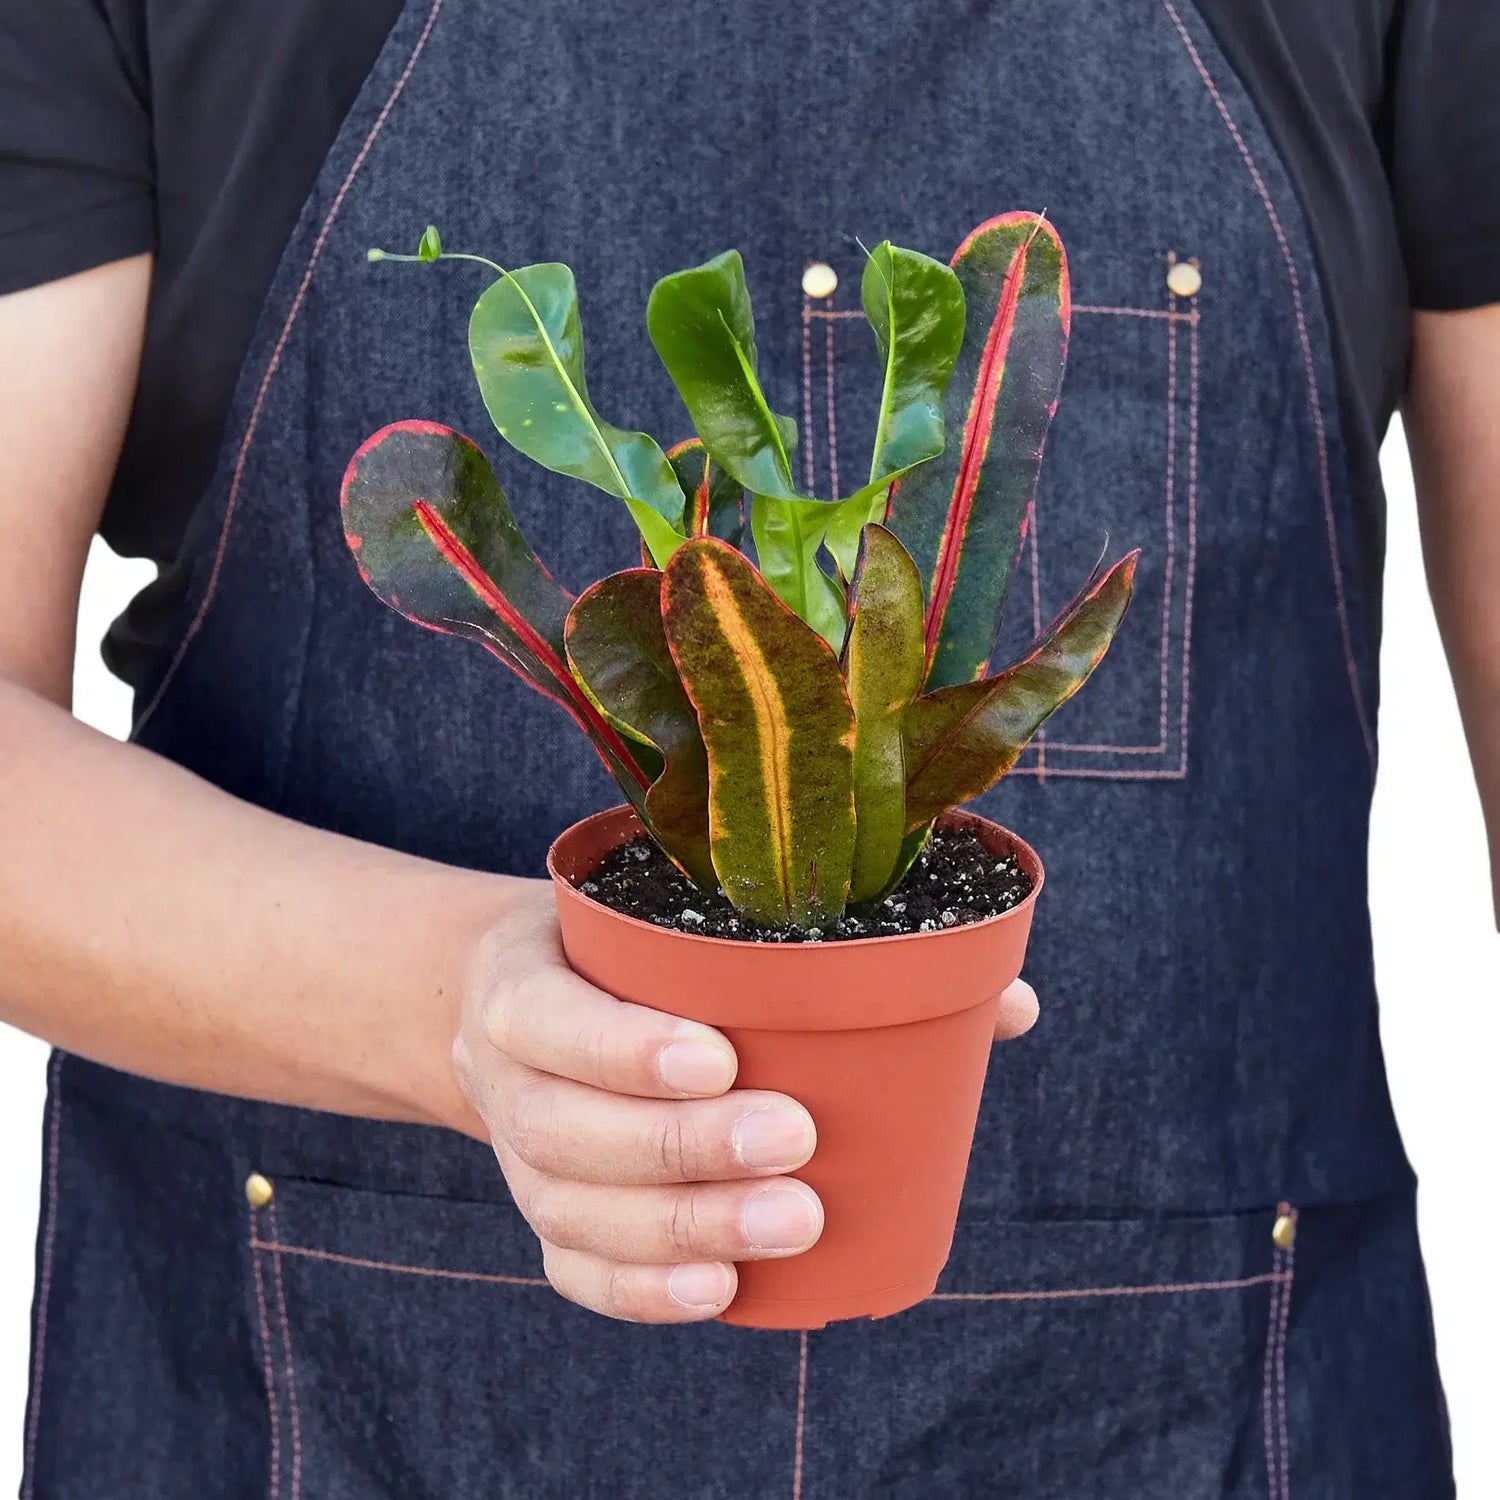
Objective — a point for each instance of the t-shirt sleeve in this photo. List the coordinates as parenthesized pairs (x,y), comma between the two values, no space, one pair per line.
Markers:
(1444,146)
(76,180)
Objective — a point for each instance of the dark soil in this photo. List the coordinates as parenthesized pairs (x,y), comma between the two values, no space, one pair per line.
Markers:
(955,880)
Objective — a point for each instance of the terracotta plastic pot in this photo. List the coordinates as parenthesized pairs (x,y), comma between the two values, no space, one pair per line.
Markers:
(885,1040)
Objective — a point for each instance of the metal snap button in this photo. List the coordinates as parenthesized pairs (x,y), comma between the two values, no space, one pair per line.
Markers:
(258,1190)
(1284,1231)
(819,279)
(1184,279)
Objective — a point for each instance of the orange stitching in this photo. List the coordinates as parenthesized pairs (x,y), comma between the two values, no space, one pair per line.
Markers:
(291,1371)
(1267,1368)
(1171,549)
(1040,740)
(1170,314)
(809,478)
(1315,400)
(1192,557)
(44,1280)
(251,427)
(801,1414)
(1283,1438)
(833,435)
(1067,1294)
(273,1401)
(441,1273)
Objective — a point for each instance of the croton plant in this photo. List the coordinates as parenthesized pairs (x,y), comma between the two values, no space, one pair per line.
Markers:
(788,729)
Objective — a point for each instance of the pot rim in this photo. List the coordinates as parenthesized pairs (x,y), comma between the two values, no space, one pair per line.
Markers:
(1029,858)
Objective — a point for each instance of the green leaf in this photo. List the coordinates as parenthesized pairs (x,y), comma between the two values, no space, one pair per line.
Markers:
(779,729)
(961,516)
(430,247)
(915,305)
(883,665)
(702,327)
(434,538)
(701,324)
(961,740)
(619,654)
(714,499)
(526,343)
(787,535)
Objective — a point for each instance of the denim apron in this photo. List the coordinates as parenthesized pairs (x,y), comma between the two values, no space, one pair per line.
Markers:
(1186,1266)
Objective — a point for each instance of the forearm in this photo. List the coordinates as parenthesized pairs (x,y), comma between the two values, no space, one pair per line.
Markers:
(153,923)
(1453,425)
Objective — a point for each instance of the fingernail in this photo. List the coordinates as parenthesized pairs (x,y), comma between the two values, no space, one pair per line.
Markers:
(699,1286)
(781,1219)
(774,1139)
(695,1068)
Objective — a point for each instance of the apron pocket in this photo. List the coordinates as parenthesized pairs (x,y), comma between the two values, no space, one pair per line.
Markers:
(1121,463)
(413,1348)
(1068,1360)
(415,1352)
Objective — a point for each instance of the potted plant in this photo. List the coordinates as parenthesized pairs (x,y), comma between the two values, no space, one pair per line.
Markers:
(792,735)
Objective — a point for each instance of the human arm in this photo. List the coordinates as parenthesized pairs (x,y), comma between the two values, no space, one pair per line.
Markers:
(1452,417)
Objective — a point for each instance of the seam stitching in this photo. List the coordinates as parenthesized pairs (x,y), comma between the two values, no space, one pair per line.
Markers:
(273,1400)
(809,477)
(44,1279)
(262,391)
(307,1252)
(1268,1367)
(1283,1323)
(1039,767)
(1314,396)
(291,1369)
(801,1415)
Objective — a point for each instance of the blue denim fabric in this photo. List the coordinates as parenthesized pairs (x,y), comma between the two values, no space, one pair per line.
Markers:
(1116,1321)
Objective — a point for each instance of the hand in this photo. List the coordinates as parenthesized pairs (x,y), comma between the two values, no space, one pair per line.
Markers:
(642,1172)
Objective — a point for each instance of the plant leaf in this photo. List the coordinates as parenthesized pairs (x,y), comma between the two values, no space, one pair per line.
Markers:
(619,655)
(961,516)
(915,305)
(779,729)
(961,740)
(701,324)
(715,500)
(787,535)
(883,664)
(526,343)
(434,539)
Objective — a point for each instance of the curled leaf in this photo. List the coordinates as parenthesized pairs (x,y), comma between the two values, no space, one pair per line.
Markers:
(526,343)
(961,740)
(714,501)
(915,306)
(618,651)
(434,539)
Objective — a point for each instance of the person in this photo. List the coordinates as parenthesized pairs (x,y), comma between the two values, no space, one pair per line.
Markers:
(290,943)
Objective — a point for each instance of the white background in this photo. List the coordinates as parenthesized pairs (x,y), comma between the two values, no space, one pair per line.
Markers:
(1436,951)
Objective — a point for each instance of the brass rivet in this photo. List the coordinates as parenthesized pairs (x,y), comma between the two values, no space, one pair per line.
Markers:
(258,1190)
(819,279)
(1184,279)
(1284,1231)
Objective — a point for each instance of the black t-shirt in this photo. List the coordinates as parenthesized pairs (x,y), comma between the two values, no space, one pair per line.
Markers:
(195,128)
